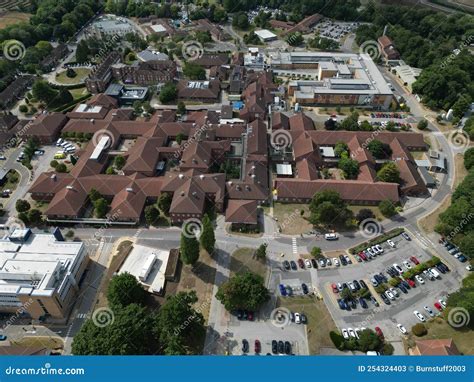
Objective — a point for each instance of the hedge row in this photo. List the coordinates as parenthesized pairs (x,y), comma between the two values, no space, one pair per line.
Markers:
(378,240)
(421,267)
(69,106)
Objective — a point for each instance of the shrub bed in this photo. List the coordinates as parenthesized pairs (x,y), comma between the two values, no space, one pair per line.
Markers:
(378,240)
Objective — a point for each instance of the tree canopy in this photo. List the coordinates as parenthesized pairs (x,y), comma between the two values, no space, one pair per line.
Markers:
(328,208)
(124,289)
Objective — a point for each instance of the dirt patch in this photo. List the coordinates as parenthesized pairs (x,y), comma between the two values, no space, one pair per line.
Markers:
(290,220)
(320,322)
(243,260)
(40,341)
(121,252)
(201,280)
(13,17)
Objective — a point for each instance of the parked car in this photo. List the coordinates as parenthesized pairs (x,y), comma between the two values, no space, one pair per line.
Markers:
(356,284)
(304,319)
(287,347)
(402,329)
(348,259)
(297,318)
(362,256)
(411,283)
(419,279)
(379,332)
(307,262)
(398,268)
(328,262)
(379,248)
(274,347)
(336,262)
(435,273)
(322,263)
(385,299)
(429,310)
(334,288)
(419,316)
(362,302)
(407,265)
(301,263)
(345,334)
(331,236)
(305,288)
(3,157)
(374,282)
(414,260)
(394,292)
(245,346)
(257,347)
(339,287)
(282,290)
(281,347)
(286,265)
(438,306)
(390,295)
(402,288)
(293,265)
(343,260)
(391,243)
(406,236)
(351,332)
(363,285)
(374,301)
(314,263)
(442,302)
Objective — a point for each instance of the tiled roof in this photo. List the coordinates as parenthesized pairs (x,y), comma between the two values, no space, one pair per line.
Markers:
(241,211)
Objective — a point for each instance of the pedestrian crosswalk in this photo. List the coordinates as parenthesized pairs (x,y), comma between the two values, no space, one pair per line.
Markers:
(82,315)
(295,248)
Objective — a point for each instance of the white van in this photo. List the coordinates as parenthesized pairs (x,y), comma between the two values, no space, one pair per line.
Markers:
(331,236)
(435,273)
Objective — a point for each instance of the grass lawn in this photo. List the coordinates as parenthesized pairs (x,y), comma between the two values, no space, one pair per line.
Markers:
(13,17)
(438,328)
(10,185)
(375,210)
(77,93)
(290,220)
(40,341)
(81,74)
(243,260)
(320,322)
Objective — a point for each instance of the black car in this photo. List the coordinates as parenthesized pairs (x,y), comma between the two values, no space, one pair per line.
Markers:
(363,304)
(363,284)
(385,299)
(286,265)
(440,268)
(245,346)
(341,303)
(356,284)
(384,278)
(281,347)
(244,315)
(274,347)
(343,260)
(240,314)
(314,263)
(353,304)
(374,301)
(405,284)
(305,288)
(344,286)
(293,265)
(303,318)
(402,288)
(287,347)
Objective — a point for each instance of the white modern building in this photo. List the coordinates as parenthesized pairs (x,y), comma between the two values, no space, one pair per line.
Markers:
(40,273)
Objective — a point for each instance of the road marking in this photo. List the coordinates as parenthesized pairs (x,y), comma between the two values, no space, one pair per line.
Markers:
(295,247)
(82,315)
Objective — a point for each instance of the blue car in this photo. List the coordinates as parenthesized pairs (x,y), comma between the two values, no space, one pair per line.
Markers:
(282,290)
(462,259)
(3,337)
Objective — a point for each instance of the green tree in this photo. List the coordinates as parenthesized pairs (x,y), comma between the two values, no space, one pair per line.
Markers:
(168,93)
(181,108)
(369,341)
(42,91)
(23,109)
(152,214)
(469,158)
(164,202)
(389,173)
(350,167)
(124,289)
(179,138)
(94,195)
(340,148)
(61,167)
(243,291)
(364,214)
(387,208)
(101,207)
(189,249)
(22,205)
(119,162)
(294,39)
(82,51)
(178,323)
(34,216)
(124,331)
(422,125)
(379,150)
(461,105)
(316,252)
(194,71)
(261,252)
(241,21)
(207,238)
(328,208)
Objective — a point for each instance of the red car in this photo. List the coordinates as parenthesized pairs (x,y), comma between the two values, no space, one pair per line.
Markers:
(414,260)
(334,288)
(301,263)
(250,316)
(438,306)
(362,256)
(379,332)
(258,346)
(411,283)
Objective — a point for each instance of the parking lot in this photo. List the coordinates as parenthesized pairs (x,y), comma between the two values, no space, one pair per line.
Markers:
(401,309)
(335,30)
